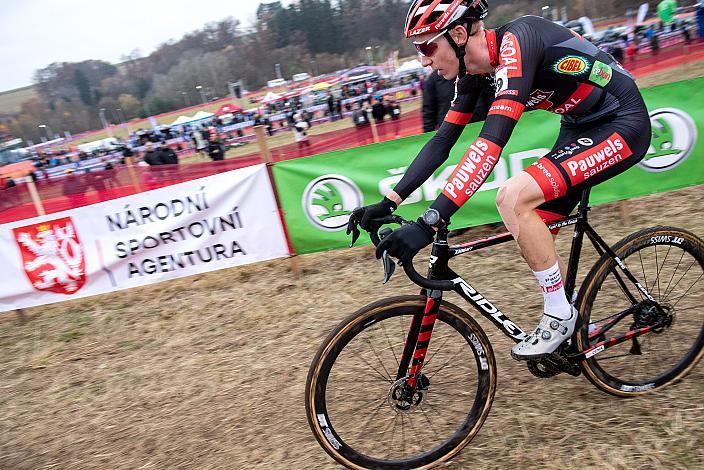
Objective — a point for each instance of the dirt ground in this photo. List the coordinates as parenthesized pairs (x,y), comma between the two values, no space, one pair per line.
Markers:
(209,371)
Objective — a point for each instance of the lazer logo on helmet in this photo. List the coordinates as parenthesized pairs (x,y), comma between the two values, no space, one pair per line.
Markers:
(418,31)
(597,159)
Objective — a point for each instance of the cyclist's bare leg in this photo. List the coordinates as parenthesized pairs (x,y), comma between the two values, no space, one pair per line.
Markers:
(517,202)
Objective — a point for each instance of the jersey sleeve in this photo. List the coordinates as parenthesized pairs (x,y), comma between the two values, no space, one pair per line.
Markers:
(520,55)
(437,149)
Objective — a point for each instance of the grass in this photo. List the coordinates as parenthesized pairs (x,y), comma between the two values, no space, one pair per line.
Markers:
(11,101)
(209,371)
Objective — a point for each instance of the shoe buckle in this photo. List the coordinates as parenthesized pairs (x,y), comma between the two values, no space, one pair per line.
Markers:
(546,335)
(554,325)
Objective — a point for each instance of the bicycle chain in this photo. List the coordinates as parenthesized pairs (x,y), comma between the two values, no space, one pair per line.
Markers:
(542,370)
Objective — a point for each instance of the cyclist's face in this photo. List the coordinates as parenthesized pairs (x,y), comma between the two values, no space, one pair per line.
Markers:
(442,58)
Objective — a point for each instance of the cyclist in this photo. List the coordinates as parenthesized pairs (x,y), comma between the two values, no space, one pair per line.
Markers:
(534,64)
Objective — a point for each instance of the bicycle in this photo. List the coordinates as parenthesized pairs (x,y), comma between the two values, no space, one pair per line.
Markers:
(402,375)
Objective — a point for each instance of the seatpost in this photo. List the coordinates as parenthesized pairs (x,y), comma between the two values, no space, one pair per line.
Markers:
(584,204)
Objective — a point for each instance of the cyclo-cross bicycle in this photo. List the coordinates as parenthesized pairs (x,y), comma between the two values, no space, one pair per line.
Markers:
(381,394)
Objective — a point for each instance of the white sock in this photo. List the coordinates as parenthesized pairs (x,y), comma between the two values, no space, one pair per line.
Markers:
(554,298)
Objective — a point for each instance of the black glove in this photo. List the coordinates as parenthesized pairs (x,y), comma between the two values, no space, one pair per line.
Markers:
(362,215)
(405,242)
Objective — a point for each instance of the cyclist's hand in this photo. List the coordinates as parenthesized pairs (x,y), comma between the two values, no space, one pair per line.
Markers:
(405,242)
(363,215)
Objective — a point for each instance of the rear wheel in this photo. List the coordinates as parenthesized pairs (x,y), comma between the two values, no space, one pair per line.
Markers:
(353,400)
(669,263)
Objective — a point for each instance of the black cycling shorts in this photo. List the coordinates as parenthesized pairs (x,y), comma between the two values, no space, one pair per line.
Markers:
(586,155)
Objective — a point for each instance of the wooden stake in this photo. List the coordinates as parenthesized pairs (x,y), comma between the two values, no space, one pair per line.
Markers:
(264,151)
(21,317)
(295,265)
(35,196)
(375,133)
(133,175)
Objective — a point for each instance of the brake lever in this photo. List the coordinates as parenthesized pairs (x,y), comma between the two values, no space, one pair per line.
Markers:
(355,235)
(389,266)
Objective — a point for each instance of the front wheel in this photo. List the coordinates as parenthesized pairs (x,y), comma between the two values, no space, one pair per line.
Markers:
(353,398)
(669,263)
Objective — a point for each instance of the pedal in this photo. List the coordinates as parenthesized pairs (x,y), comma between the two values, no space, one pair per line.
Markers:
(559,362)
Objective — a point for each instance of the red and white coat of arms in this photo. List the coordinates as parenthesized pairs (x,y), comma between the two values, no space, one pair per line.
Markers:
(52,256)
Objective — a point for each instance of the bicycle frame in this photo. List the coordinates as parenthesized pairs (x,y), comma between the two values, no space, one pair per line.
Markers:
(421,327)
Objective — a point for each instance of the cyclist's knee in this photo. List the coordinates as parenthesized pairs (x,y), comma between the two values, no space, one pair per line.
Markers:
(518,194)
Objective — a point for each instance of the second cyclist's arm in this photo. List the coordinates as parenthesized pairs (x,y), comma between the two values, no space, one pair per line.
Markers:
(437,149)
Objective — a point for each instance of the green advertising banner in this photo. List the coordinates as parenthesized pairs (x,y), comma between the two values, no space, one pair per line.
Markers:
(318,193)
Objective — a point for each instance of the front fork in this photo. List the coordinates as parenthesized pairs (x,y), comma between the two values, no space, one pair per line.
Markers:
(421,329)
(418,339)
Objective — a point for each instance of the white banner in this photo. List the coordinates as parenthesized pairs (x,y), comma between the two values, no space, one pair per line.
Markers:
(202,225)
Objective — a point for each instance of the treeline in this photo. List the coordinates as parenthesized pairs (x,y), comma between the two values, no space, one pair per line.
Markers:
(314,36)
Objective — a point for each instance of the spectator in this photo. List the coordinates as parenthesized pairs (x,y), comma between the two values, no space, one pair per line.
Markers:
(654,44)
(338,107)
(198,141)
(379,111)
(331,107)
(394,109)
(151,157)
(167,156)
(700,19)
(437,96)
(307,117)
(300,129)
(436,105)
(127,152)
(216,150)
(359,115)
(685,33)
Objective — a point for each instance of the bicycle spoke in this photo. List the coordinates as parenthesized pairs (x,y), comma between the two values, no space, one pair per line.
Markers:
(377,357)
(385,379)
(364,428)
(430,423)
(366,418)
(444,365)
(673,273)
(680,279)
(388,340)
(688,289)
(645,278)
(438,349)
(657,273)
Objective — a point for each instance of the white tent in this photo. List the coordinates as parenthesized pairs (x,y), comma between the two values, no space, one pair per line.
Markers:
(181,120)
(410,66)
(201,115)
(271,96)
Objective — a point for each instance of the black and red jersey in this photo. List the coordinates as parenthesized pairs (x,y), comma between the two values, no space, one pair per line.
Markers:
(539,65)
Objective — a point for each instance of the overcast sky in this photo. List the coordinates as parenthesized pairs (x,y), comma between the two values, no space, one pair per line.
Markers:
(35,33)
